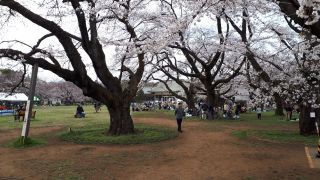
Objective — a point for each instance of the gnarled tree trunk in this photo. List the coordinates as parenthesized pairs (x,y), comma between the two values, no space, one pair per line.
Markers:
(120,120)
(279,104)
(108,89)
(191,105)
(306,124)
(211,102)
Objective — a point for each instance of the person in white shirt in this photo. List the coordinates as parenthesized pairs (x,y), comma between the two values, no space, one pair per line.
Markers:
(259,110)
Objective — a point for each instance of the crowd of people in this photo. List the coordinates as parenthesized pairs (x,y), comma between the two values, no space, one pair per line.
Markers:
(228,110)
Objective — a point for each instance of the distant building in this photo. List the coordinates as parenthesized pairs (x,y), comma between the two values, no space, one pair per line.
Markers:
(52,101)
(242,95)
(157,91)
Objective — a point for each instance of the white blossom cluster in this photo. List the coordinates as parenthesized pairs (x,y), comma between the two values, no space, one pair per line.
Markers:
(302,84)
(309,10)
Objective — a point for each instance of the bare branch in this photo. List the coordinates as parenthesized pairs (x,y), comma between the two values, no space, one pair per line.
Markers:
(233,75)
(21,82)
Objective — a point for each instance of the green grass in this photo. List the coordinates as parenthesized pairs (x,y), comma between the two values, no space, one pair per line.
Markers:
(277,136)
(86,127)
(29,142)
(250,119)
(59,116)
(155,113)
(240,134)
(97,135)
(64,116)
(285,137)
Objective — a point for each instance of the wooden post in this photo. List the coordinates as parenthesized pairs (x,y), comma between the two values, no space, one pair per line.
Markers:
(28,112)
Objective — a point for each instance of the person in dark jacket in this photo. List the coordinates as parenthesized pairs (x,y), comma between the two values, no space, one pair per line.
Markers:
(288,109)
(179,113)
(238,111)
(80,112)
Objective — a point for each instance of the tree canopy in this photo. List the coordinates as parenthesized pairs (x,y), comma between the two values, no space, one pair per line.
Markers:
(211,40)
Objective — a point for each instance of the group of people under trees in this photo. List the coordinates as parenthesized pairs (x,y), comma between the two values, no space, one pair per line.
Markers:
(232,110)
(229,110)
(289,108)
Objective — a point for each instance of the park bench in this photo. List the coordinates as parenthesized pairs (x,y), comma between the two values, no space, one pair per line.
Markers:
(19,114)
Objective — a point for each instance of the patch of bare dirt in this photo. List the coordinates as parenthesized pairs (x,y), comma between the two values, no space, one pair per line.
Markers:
(200,152)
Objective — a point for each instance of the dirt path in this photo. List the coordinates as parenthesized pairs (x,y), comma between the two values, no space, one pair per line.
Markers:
(201,152)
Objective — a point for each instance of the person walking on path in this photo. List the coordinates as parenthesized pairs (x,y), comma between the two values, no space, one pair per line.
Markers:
(179,113)
(259,110)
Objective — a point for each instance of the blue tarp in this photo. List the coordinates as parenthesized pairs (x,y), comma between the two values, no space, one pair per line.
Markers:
(6,112)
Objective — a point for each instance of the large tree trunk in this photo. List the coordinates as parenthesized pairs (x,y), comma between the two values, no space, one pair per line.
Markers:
(211,102)
(120,120)
(306,124)
(191,105)
(279,104)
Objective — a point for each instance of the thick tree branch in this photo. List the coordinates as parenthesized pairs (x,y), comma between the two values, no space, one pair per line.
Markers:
(52,27)
(171,65)
(21,82)
(175,94)
(88,87)
(290,7)
(82,24)
(232,76)
(176,79)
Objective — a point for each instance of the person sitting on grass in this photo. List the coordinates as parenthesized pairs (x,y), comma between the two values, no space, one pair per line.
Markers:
(80,112)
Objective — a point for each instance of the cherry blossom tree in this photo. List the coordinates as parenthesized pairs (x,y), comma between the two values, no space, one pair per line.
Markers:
(81,30)
(203,49)
(304,12)
(11,81)
(246,31)
(302,84)
(188,84)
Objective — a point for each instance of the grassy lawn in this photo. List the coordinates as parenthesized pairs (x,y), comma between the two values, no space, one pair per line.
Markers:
(279,136)
(92,128)
(144,134)
(29,142)
(154,114)
(250,119)
(60,116)
(64,116)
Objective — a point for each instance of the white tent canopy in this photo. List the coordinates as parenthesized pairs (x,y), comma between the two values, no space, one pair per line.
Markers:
(13,97)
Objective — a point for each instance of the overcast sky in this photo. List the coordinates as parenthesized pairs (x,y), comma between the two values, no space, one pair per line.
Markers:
(23,30)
